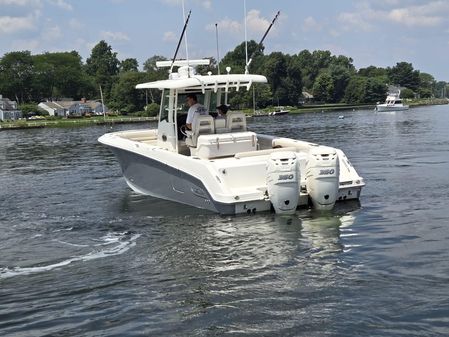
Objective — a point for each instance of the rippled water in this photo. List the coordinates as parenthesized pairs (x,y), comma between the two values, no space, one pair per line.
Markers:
(82,255)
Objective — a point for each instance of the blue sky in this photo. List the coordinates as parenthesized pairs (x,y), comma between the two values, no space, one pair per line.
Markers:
(372,32)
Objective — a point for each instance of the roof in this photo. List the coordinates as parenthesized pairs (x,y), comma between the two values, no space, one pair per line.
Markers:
(200,82)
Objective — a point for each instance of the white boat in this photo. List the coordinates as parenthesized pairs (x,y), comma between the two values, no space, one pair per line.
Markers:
(392,103)
(222,166)
(278,112)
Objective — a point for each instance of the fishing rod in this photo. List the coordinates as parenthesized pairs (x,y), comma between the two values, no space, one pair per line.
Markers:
(261,41)
(180,40)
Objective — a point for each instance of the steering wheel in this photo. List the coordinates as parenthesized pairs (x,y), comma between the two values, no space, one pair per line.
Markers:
(183,129)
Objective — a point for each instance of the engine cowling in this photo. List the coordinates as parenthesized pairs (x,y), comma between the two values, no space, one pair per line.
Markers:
(322,177)
(283,181)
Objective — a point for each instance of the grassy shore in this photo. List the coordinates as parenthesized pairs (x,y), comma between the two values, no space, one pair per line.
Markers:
(99,120)
(71,123)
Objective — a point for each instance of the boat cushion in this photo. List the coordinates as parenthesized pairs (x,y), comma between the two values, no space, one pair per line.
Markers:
(223,145)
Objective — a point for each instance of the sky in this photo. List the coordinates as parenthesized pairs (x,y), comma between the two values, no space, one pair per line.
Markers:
(372,32)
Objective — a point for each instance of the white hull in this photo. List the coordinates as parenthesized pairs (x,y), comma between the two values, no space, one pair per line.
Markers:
(385,107)
(232,184)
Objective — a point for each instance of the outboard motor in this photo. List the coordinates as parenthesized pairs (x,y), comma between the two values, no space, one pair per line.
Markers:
(283,181)
(322,177)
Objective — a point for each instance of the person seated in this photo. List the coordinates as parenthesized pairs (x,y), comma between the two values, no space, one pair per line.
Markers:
(221,111)
(194,108)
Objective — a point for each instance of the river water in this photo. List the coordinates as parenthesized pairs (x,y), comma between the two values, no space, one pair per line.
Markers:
(83,255)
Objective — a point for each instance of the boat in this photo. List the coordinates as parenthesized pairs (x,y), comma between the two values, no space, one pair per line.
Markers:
(393,102)
(278,112)
(221,165)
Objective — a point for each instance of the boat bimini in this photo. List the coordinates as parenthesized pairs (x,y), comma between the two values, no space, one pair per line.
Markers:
(221,165)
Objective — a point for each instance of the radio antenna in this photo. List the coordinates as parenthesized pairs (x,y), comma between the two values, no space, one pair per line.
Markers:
(246,37)
(180,40)
(218,52)
(260,43)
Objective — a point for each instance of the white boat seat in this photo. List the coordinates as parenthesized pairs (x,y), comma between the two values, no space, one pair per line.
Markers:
(224,145)
(236,121)
(201,125)
(220,125)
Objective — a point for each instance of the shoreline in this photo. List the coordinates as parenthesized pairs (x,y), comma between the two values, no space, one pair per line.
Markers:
(69,123)
(81,122)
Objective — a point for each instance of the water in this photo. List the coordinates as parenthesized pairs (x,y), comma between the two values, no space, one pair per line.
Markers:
(82,255)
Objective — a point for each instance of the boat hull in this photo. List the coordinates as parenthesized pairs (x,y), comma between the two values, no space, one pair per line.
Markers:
(152,177)
(384,107)
(231,185)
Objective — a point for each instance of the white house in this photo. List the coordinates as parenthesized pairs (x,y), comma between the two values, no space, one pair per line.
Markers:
(69,108)
(8,109)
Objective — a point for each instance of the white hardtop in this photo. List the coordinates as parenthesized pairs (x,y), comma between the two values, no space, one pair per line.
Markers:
(186,78)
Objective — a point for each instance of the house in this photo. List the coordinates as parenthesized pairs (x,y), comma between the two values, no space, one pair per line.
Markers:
(8,109)
(70,108)
(306,97)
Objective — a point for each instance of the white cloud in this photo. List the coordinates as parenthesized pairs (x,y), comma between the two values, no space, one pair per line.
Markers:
(114,36)
(310,24)
(356,20)
(226,25)
(10,25)
(52,33)
(169,37)
(21,3)
(61,4)
(255,22)
(429,15)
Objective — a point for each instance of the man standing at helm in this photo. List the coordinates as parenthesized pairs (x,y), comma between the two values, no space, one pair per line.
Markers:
(195,108)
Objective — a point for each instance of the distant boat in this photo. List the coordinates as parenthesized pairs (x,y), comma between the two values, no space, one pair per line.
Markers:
(278,112)
(392,103)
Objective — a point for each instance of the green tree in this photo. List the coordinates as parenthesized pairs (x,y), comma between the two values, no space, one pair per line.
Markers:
(356,90)
(129,64)
(323,88)
(103,66)
(404,75)
(60,75)
(427,85)
(155,73)
(16,73)
(125,97)
(236,59)
(373,71)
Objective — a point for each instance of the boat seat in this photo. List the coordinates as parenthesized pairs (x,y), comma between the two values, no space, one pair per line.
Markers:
(224,145)
(201,125)
(236,121)
(220,125)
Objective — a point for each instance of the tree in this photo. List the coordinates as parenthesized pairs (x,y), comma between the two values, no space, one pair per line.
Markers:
(275,69)
(323,88)
(125,97)
(16,72)
(236,59)
(60,75)
(373,71)
(404,75)
(356,90)
(155,73)
(340,75)
(103,66)
(129,64)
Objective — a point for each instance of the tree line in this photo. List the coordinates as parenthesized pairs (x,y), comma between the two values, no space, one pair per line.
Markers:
(329,78)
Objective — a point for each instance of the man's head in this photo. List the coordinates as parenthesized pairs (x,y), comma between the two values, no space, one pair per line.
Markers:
(191,99)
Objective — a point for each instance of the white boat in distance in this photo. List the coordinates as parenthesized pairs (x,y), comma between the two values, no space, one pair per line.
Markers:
(222,166)
(392,103)
(278,112)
